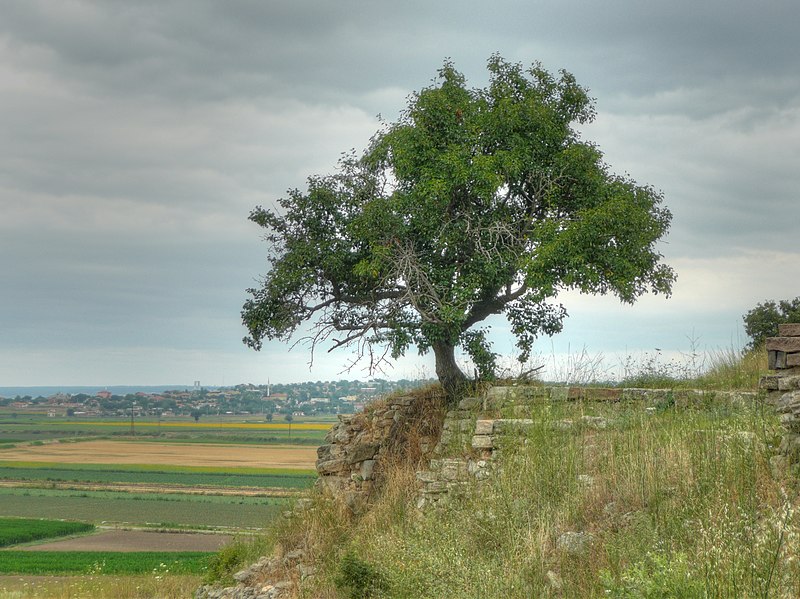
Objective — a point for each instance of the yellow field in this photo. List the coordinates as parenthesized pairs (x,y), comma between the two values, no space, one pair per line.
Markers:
(302,426)
(190,454)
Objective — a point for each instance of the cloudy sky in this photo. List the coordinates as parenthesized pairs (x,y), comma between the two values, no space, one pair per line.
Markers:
(135,137)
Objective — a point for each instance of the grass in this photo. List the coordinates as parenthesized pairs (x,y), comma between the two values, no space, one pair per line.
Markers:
(14,531)
(99,562)
(715,370)
(157,583)
(41,428)
(676,501)
(159,474)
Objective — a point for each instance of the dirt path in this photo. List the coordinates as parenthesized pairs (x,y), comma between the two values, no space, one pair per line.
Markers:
(136,540)
(193,454)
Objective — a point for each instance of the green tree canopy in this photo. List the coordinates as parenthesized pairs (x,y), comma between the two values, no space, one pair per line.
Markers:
(763,320)
(475,202)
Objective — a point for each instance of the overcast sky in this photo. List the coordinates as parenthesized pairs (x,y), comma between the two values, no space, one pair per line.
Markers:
(135,137)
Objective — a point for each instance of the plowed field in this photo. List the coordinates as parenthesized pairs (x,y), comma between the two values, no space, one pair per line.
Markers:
(136,540)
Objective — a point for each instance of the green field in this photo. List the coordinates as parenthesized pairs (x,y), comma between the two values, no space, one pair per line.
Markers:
(14,531)
(183,495)
(226,429)
(166,475)
(154,509)
(99,562)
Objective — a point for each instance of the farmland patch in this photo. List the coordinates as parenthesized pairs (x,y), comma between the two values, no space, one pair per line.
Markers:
(196,454)
(14,531)
(137,540)
(152,512)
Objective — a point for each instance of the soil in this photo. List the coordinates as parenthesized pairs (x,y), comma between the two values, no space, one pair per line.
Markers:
(136,540)
(194,454)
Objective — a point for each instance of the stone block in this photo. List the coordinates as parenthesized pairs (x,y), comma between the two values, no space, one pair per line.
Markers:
(359,453)
(769,382)
(426,476)
(789,383)
(436,486)
(792,360)
(596,422)
(323,453)
(788,402)
(484,427)
(367,467)
(453,469)
(633,394)
(331,466)
(783,344)
(559,393)
(602,394)
(789,330)
(777,360)
(482,442)
(342,436)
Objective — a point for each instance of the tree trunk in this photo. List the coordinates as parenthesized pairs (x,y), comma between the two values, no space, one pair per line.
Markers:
(450,376)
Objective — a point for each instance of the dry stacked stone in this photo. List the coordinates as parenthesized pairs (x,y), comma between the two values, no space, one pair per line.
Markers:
(470,446)
(349,463)
(783,390)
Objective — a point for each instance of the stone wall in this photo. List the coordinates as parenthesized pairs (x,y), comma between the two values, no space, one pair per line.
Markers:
(351,462)
(783,390)
(473,434)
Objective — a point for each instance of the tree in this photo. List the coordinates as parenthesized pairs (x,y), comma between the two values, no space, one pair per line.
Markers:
(475,202)
(196,415)
(763,320)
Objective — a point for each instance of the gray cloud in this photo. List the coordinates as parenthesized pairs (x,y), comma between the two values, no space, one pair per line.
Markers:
(136,138)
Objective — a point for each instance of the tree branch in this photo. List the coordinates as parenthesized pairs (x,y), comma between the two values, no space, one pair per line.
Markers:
(487,307)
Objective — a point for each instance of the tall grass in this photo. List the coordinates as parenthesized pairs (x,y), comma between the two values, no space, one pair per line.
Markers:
(677,502)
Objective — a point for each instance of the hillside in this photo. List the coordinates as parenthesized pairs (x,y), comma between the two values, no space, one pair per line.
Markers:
(646,494)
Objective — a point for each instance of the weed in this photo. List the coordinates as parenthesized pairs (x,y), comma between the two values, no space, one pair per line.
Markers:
(357,577)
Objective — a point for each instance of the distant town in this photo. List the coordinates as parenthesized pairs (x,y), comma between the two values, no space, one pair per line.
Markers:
(267,401)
